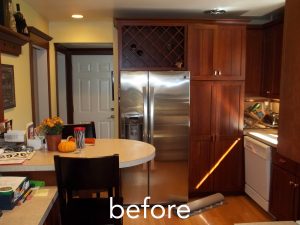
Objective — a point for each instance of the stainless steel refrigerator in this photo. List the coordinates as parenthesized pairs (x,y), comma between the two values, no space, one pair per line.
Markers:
(154,108)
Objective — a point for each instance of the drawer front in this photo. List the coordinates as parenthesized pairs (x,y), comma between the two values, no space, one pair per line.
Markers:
(284,163)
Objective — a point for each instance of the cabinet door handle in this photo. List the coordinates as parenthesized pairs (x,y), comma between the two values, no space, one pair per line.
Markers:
(296,185)
(291,183)
(219,73)
(215,72)
(268,92)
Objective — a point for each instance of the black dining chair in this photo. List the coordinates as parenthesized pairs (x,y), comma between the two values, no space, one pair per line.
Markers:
(88,175)
(68,130)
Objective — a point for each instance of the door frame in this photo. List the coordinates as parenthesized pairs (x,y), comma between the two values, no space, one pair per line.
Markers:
(40,40)
(69,52)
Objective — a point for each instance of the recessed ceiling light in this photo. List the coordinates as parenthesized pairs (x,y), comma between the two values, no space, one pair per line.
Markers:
(77,16)
(215,11)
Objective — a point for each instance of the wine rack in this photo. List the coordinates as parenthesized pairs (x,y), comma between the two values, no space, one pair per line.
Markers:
(152,47)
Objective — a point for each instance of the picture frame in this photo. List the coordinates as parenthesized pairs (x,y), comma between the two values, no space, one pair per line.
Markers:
(8,86)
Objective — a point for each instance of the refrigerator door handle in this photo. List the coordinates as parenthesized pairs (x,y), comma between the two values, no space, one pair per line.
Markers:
(145,106)
(151,116)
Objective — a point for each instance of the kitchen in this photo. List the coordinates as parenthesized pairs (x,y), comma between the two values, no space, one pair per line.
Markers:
(210,86)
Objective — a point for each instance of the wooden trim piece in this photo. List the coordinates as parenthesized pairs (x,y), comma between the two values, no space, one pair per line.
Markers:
(69,89)
(1,102)
(91,51)
(11,42)
(173,22)
(13,37)
(32,84)
(33,30)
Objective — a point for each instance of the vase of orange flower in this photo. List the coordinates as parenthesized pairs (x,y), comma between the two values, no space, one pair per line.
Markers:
(52,128)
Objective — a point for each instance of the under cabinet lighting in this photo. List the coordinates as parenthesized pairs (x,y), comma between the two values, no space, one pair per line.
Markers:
(77,16)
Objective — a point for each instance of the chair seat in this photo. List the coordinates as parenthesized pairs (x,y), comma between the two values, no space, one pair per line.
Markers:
(91,211)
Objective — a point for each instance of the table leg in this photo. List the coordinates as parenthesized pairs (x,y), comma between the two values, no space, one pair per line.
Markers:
(148,171)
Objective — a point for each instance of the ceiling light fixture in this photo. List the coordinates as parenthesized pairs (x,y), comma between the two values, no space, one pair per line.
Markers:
(77,16)
(215,11)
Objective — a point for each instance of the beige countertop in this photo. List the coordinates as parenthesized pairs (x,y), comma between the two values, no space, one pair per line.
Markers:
(33,211)
(267,136)
(131,153)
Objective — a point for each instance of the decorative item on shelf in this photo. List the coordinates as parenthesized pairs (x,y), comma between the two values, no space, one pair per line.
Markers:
(179,64)
(20,21)
(12,21)
(52,128)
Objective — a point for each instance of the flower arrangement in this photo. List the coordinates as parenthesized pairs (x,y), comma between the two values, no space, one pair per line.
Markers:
(51,126)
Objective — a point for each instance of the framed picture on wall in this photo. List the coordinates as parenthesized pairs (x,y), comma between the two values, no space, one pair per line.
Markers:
(8,86)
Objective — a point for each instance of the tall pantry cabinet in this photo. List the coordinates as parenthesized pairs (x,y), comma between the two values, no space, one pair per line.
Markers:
(216,59)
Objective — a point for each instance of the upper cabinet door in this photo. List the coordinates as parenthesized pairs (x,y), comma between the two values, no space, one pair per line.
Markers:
(201,47)
(230,52)
(216,52)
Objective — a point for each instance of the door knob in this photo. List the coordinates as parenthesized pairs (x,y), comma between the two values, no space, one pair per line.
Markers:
(111,117)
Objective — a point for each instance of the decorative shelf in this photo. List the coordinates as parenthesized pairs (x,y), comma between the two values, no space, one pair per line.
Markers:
(11,42)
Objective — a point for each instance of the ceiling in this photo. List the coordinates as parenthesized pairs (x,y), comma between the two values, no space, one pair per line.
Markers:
(61,10)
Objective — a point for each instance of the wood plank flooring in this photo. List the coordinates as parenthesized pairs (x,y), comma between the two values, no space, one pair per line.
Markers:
(236,209)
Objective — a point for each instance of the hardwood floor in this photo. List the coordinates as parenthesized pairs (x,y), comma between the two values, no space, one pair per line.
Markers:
(236,209)
(170,178)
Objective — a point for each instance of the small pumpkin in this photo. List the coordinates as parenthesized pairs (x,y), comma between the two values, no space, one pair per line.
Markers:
(67,146)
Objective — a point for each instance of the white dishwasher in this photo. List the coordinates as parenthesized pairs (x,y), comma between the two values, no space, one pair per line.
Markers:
(257,171)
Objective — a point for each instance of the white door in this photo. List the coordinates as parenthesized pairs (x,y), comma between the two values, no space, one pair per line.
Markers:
(92,92)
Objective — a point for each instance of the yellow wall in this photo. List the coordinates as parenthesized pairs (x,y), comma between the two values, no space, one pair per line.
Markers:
(22,113)
(81,32)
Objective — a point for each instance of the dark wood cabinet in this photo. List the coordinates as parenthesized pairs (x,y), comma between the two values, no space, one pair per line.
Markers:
(273,35)
(254,60)
(263,60)
(288,134)
(284,195)
(156,45)
(229,102)
(216,52)
(216,122)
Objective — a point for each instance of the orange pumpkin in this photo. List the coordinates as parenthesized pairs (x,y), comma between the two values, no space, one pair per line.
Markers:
(67,146)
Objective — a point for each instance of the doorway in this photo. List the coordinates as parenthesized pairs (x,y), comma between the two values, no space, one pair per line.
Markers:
(85,86)
(40,85)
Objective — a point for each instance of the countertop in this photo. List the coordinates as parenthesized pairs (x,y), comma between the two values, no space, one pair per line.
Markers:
(131,153)
(267,136)
(33,211)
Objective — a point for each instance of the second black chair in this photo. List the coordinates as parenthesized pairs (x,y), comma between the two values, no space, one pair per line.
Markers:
(88,174)
(68,130)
